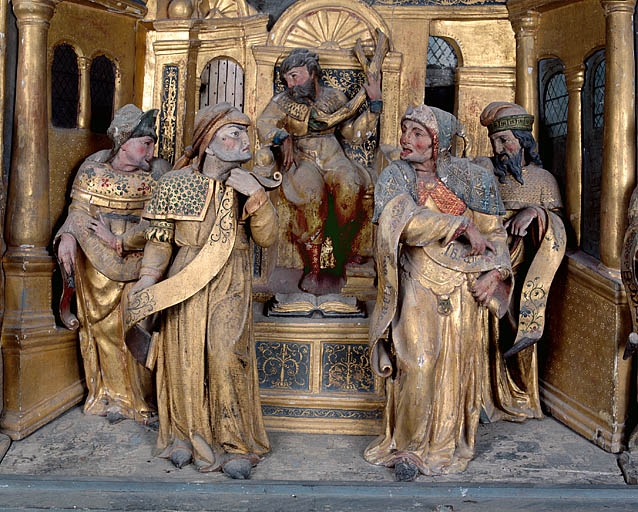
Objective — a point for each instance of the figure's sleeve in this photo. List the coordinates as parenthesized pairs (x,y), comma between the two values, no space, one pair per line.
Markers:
(491,226)
(550,194)
(158,249)
(135,238)
(427,227)
(263,219)
(271,124)
(358,129)
(76,217)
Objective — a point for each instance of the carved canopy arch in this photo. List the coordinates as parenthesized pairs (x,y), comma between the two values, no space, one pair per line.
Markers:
(329,25)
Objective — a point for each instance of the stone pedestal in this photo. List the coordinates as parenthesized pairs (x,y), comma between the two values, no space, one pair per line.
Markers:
(315,376)
(584,382)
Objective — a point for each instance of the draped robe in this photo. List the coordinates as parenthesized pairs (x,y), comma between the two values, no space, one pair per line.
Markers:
(208,394)
(432,357)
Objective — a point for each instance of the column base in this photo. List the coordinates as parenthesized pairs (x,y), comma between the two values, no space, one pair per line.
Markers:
(42,379)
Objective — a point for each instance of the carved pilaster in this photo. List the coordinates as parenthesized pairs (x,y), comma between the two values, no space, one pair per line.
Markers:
(575,78)
(619,137)
(525,25)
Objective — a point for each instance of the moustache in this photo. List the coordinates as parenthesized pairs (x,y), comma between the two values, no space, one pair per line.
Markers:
(304,93)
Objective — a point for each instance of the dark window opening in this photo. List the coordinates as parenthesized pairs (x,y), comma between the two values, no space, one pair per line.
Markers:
(65,79)
(102,93)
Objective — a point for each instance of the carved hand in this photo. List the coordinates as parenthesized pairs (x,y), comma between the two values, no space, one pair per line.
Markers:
(67,252)
(373,86)
(484,288)
(102,231)
(477,241)
(243,182)
(144,282)
(288,152)
(518,224)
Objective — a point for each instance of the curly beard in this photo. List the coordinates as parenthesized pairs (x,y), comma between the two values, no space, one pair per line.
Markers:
(305,93)
(507,163)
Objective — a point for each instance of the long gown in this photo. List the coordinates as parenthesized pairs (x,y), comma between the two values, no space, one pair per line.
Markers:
(433,356)
(115,381)
(208,395)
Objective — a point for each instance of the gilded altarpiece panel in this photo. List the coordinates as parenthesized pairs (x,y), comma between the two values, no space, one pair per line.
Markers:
(315,376)
(583,379)
(168,114)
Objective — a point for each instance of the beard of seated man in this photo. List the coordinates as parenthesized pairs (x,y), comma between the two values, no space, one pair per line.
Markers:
(304,93)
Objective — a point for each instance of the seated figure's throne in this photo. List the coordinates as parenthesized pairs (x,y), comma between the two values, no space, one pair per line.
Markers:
(314,369)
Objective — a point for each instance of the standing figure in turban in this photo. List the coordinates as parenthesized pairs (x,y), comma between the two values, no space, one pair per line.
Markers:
(443,265)
(99,248)
(197,268)
(537,243)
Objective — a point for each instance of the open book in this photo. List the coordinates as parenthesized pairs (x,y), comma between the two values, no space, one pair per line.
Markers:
(307,304)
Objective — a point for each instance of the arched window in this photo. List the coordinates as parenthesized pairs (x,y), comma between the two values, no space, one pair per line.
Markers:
(553,118)
(555,106)
(102,77)
(593,108)
(65,79)
(439,76)
(222,80)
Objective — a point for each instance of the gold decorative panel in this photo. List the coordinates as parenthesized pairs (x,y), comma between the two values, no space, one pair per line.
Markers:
(584,381)
(168,114)
(315,375)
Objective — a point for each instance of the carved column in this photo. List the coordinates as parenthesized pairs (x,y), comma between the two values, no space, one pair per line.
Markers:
(525,27)
(41,371)
(84,115)
(575,78)
(619,154)
(28,228)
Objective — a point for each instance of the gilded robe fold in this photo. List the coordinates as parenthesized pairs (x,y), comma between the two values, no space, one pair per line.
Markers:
(208,394)
(115,381)
(512,394)
(433,355)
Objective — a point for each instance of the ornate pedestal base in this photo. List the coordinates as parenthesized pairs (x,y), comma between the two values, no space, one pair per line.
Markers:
(315,375)
(41,380)
(584,381)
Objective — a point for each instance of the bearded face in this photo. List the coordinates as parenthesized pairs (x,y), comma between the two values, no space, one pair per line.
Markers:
(305,93)
(508,156)
(301,85)
(231,144)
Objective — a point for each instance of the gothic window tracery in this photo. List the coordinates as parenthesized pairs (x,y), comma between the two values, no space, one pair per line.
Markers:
(593,109)
(552,139)
(442,62)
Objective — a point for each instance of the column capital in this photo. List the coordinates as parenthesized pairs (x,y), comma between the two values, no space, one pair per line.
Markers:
(34,11)
(84,63)
(575,77)
(525,23)
(618,6)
